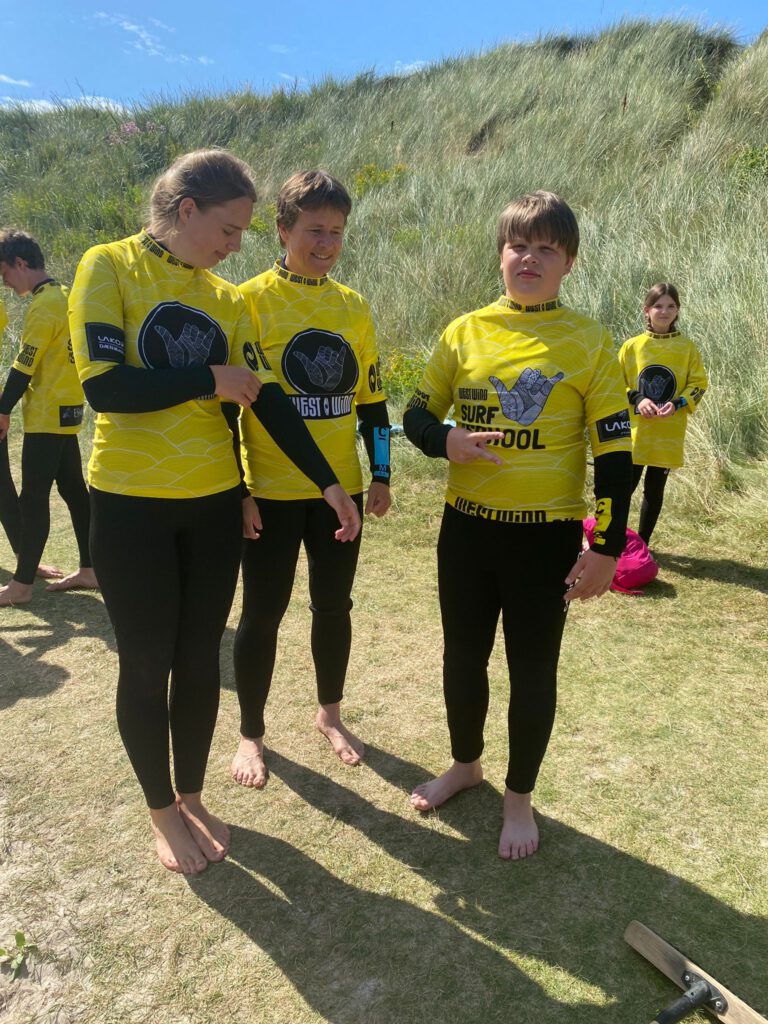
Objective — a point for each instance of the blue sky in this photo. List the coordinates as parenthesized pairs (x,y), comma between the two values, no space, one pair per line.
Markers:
(140,49)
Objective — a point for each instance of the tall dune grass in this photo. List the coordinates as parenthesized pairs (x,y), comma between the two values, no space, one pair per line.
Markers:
(654,131)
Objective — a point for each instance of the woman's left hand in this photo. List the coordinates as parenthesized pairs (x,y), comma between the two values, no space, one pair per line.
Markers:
(591,576)
(252,526)
(345,509)
(379,499)
(668,409)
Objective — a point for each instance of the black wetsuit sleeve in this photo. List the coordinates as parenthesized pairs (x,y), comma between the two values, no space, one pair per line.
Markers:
(613,488)
(426,431)
(633,397)
(281,420)
(133,389)
(375,429)
(15,387)
(231,411)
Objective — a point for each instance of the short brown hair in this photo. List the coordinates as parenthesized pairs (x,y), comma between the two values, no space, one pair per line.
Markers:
(540,215)
(309,190)
(19,245)
(209,176)
(662,288)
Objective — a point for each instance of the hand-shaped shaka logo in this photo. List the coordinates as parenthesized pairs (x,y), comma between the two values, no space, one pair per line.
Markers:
(326,368)
(175,336)
(523,402)
(191,348)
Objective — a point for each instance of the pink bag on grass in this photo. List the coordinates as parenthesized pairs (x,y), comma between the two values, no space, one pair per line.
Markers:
(636,565)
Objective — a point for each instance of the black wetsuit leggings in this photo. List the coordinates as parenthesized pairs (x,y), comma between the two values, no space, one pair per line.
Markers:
(167,569)
(10,514)
(653,496)
(45,458)
(516,570)
(269,567)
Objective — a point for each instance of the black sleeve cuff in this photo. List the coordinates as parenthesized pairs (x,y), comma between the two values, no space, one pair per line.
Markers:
(613,481)
(133,389)
(423,429)
(281,420)
(374,428)
(15,387)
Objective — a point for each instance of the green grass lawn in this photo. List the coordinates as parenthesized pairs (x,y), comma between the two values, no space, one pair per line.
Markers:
(340,903)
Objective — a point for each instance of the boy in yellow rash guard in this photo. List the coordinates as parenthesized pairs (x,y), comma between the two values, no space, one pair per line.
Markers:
(10,517)
(319,339)
(665,380)
(43,376)
(525,376)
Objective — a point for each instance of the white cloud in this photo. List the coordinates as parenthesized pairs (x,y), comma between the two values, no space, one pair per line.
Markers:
(15,81)
(408,69)
(43,106)
(292,78)
(281,48)
(147,42)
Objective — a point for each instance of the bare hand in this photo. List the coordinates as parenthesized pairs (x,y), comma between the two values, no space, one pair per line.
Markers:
(668,409)
(5,422)
(463,446)
(647,408)
(236,384)
(252,525)
(379,499)
(591,576)
(345,509)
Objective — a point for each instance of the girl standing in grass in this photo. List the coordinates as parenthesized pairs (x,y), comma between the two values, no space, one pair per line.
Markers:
(665,381)
(159,343)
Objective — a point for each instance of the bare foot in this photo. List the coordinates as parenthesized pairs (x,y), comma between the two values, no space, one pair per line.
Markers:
(209,832)
(48,572)
(519,833)
(83,579)
(248,766)
(14,593)
(176,848)
(459,776)
(347,747)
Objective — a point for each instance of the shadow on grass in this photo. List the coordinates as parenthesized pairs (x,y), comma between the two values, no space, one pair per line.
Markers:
(722,570)
(32,633)
(360,956)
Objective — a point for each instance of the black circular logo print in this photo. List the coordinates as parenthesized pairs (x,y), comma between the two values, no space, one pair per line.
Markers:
(657,383)
(175,336)
(320,363)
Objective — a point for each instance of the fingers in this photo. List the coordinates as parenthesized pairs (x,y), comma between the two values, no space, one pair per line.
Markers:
(463,446)
(379,499)
(252,525)
(590,576)
(236,384)
(346,510)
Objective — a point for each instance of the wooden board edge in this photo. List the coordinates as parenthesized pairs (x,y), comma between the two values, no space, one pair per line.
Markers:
(672,962)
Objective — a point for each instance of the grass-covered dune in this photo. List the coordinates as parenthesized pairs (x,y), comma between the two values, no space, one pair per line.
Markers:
(655,132)
(339,904)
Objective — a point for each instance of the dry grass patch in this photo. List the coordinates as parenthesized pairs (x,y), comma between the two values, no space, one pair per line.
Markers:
(341,904)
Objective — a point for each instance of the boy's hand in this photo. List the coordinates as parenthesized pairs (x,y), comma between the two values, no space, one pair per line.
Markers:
(463,446)
(668,409)
(5,423)
(379,499)
(591,576)
(647,408)
(236,384)
(345,509)
(252,525)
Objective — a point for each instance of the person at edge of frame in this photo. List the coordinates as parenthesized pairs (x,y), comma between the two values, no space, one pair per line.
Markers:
(43,377)
(319,338)
(160,343)
(525,375)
